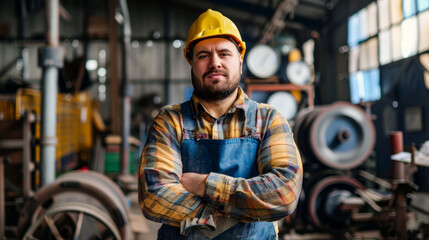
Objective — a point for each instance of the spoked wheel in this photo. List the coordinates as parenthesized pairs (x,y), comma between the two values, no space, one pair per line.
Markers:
(72,190)
(73,221)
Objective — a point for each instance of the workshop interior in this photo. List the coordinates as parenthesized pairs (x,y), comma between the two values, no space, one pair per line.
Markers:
(81,81)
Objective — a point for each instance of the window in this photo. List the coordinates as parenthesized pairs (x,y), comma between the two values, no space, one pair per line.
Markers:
(402,31)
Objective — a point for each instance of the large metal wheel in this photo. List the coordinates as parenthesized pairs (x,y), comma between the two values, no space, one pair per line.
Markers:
(303,120)
(325,199)
(73,221)
(85,187)
(99,179)
(340,136)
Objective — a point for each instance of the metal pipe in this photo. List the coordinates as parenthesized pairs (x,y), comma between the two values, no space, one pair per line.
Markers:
(2,201)
(52,23)
(396,146)
(27,165)
(113,77)
(50,59)
(398,178)
(126,92)
(167,13)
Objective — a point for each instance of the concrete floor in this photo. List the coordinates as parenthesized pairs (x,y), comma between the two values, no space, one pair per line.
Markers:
(148,230)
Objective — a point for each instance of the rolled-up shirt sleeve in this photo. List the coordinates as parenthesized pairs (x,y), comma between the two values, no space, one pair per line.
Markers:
(274,193)
(162,198)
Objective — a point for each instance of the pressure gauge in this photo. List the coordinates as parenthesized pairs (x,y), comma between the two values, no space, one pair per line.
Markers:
(298,73)
(263,61)
(285,103)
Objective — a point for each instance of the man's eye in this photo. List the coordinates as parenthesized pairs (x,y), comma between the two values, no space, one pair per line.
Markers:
(202,56)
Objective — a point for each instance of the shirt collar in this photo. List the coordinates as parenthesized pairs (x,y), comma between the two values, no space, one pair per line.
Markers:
(240,103)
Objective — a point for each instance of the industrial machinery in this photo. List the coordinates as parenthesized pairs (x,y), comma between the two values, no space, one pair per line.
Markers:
(341,198)
(78,204)
(45,134)
(338,136)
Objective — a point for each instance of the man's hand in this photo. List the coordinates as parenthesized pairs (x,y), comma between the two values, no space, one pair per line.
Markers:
(194,183)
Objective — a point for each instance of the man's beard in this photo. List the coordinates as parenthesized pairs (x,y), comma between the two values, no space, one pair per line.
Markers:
(210,92)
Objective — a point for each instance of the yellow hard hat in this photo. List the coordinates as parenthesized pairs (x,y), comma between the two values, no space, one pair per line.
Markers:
(210,24)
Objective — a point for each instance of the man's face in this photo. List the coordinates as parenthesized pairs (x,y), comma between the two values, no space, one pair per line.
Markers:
(216,69)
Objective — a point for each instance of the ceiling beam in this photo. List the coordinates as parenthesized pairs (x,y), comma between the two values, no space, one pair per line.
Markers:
(277,22)
(245,6)
(253,9)
(256,9)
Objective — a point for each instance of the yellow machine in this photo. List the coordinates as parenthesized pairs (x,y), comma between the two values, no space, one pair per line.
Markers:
(25,205)
(74,123)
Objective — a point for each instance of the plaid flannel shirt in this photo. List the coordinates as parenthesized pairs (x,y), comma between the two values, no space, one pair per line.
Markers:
(270,196)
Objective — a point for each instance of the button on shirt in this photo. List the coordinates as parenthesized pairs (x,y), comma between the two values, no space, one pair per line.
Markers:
(270,196)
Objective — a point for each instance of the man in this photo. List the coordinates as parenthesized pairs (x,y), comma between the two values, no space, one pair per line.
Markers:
(219,166)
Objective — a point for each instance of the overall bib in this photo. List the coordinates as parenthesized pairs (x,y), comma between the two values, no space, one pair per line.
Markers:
(234,157)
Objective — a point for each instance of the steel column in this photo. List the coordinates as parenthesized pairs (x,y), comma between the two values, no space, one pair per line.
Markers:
(2,201)
(398,177)
(126,90)
(113,72)
(50,60)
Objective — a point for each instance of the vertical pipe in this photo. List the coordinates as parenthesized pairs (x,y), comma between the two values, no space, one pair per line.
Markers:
(49,62)
(126,101)
(398,178)
(27,164)
(167,53)
(52,23)
(22,12)
(114,100)
(396,146)
(2,203)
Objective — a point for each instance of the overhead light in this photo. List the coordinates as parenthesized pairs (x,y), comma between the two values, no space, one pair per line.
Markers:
(177,43)
(102,88)
(102,54)
(149,43)
(91,64)
(135,44)
(101,72)
(156,34)
(75,43)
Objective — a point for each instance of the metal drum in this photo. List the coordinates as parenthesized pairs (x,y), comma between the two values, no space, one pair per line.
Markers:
(263,61)
(285,103)
(303,120)
(340,135)
(325,200)
(60,208)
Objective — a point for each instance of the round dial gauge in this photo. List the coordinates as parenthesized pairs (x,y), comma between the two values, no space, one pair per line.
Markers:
(285,103)
(298,73)
(263,61)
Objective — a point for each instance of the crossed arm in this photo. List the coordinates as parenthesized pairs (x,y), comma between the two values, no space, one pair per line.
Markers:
(169,196)
(194,183)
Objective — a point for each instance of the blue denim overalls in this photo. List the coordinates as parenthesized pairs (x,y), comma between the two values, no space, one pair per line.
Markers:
(234,157)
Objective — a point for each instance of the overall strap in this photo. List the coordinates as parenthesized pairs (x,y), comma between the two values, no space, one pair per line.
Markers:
(187,115)
(189,122)
(251,110)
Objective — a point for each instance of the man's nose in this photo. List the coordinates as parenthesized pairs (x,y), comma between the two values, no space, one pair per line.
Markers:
(215,61)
